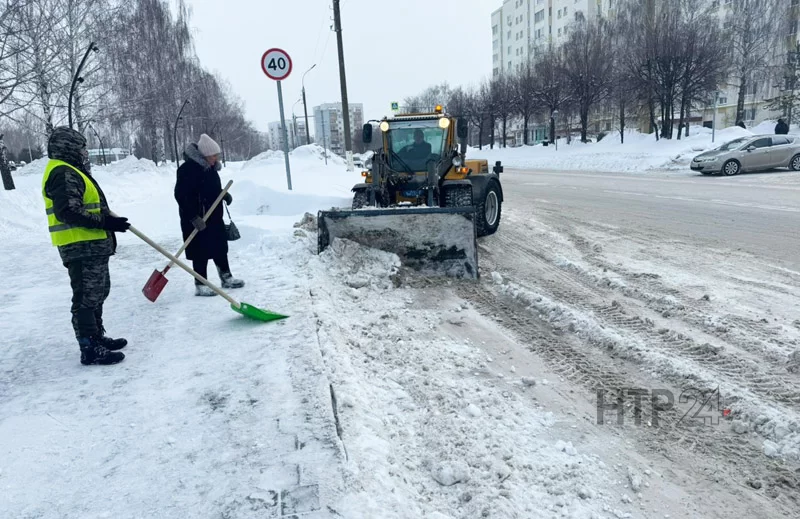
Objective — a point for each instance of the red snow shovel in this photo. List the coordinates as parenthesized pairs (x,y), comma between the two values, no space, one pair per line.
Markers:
(245,309)
(158,280)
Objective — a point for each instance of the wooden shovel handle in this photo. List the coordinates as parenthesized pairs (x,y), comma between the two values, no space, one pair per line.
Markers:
(181,264)
(205,219)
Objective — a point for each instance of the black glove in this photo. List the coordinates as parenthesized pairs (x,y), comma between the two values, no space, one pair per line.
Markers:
(115,223)
(228,198)
(198,223)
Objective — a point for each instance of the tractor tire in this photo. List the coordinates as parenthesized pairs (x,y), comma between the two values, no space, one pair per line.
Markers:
(488,210)
(460,196)
(360,199)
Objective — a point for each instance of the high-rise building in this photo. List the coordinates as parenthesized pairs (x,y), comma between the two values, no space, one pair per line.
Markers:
(329,124)
(521,28)
(276,135)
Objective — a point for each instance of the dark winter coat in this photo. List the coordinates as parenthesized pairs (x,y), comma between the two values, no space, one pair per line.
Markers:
(65,188)
(197,187)
(781,128)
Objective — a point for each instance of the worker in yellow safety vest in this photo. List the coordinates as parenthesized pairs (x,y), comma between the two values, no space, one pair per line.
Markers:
(83,230)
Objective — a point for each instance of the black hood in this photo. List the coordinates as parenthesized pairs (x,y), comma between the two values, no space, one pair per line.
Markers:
(69,146)
(192,153)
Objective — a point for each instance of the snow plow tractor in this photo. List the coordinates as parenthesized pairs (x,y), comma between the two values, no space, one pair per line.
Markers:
(421,198)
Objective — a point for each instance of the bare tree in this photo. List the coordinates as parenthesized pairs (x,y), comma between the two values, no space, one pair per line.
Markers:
(550,87)
(503,102)
(587,67)
(752,26)
(524,101)
(12,72)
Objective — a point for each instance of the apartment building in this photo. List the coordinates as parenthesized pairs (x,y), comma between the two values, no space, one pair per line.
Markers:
(521,28)
(275,132)
(329,124)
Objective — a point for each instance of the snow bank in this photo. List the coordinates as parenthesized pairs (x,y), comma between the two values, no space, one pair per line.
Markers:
(639,152)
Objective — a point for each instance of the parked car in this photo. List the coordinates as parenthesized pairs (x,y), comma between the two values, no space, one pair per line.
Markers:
(756,153)
(12,166)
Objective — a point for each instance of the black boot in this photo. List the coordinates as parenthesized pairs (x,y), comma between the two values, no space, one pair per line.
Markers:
(109,343)
(92,352)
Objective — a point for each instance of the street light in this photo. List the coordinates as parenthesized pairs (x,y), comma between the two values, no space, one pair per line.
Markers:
(294,122)
(553,122)
(305,108)
(175,133)
(102,148)
(714,117)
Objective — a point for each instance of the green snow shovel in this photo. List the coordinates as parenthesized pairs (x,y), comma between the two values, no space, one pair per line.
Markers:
(242,308)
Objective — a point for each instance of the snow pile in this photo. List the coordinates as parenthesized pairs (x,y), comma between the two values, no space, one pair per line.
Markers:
(130,165)
(640,152)
(428,432)
(34,168)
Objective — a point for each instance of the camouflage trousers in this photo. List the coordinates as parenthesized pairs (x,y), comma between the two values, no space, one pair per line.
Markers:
(91,285)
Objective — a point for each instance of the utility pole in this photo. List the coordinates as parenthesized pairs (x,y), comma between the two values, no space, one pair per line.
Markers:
(348,144)
(305,108)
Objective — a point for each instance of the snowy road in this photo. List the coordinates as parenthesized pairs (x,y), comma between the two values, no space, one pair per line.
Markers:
(665,283)
(756,213)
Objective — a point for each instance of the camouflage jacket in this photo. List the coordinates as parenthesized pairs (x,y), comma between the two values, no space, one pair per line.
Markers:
(66,188)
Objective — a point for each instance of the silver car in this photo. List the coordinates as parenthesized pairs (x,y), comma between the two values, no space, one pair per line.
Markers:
(756,153)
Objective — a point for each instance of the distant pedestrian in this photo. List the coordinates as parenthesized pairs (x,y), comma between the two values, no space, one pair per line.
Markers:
(196,189)
(740,124)
(82,228)
(781,128)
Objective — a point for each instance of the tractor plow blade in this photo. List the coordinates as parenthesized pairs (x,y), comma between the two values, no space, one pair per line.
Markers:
(433,240)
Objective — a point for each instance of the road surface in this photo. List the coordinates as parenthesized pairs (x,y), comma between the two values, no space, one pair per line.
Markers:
(744,212)
(664,282)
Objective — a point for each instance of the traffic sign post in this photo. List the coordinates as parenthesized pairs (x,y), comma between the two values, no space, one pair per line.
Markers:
(395,107)
(277,65)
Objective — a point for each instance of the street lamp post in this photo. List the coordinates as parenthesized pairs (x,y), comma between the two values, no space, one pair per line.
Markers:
(294,122)
(175,133)
(714,117)
(305,108)
(102,148)
(553,119)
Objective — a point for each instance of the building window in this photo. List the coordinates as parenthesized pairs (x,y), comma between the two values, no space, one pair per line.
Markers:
(494,30)
(509,51)
(509,65)
(538,17)
(559,31)
(559,14)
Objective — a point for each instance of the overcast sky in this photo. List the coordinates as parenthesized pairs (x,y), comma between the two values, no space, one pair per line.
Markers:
(392,48)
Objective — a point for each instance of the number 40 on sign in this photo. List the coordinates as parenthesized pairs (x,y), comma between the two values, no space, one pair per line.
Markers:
(276,64)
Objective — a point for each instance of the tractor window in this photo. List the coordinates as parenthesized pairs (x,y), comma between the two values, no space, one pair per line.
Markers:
(414,144)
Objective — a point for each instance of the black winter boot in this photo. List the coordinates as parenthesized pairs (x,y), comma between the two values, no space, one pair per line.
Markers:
(92,352)
(109,343)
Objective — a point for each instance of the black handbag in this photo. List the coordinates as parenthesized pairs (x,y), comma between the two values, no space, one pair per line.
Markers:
(231,231)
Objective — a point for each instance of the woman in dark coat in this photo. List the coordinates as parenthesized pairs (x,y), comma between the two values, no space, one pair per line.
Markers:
(197,187)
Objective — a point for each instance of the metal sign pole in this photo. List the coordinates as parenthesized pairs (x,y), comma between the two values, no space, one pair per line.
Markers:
(285,138)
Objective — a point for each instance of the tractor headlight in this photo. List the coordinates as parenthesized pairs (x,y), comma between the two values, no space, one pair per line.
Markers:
(457,162)
(444,123)
(384,126)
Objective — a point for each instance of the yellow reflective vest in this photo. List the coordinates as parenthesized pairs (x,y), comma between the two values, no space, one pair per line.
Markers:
(63,233)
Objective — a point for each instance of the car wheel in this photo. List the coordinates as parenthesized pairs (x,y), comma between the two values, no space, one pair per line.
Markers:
(488,211)
(731,168)
(795,163)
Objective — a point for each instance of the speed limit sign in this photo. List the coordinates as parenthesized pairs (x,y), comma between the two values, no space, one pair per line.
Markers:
(276,64)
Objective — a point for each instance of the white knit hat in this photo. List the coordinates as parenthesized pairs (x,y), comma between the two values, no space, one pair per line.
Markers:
(207,146)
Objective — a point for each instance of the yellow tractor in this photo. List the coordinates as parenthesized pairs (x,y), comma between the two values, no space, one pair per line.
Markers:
(421,198)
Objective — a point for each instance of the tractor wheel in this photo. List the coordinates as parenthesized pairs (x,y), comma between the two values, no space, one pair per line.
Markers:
(360,199)
(459,196)
(488,210)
